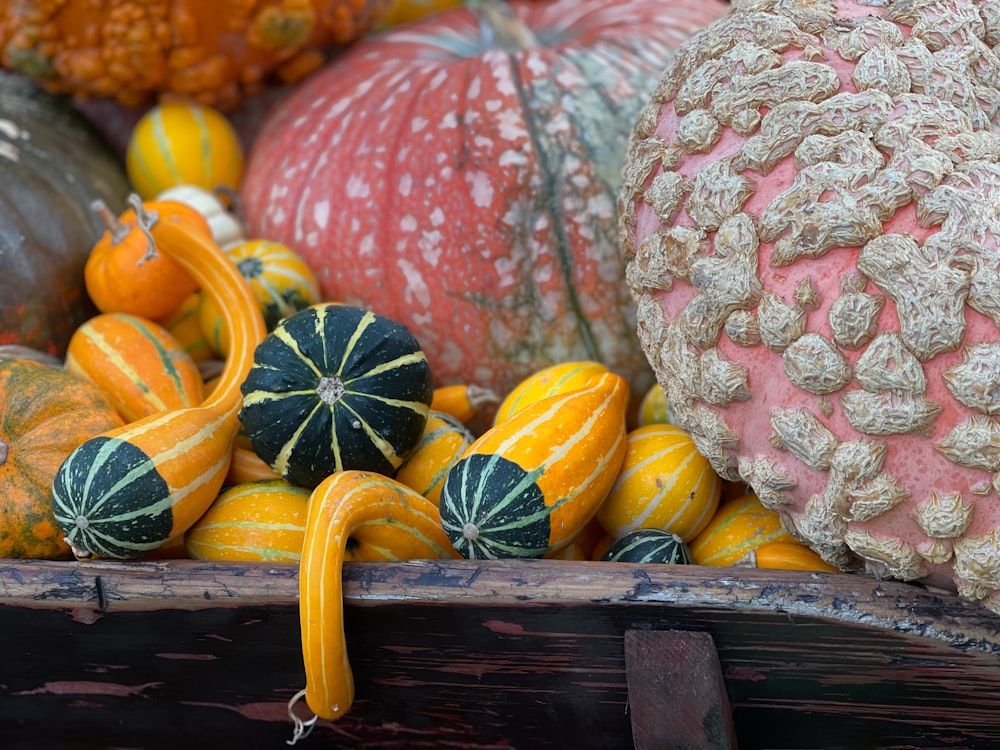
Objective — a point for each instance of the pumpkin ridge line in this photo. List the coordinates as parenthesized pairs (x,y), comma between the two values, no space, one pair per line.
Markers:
(549,181)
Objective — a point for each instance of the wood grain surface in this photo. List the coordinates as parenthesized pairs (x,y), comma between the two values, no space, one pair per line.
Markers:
(477,655)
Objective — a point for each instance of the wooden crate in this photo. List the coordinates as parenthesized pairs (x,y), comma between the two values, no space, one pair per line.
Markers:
(534,654)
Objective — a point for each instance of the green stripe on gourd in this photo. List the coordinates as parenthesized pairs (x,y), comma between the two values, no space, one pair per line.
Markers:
(335,387)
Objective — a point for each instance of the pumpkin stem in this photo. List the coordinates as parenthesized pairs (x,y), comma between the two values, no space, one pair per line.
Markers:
(116,229)
(145,221)
(500,25)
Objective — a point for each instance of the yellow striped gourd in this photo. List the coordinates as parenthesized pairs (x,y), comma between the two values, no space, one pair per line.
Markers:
(141,367)
(262,520)
(183,143)
(654,408)
(444,441)
(664,483)
(528,485)
(739,525)
(353,515)
(184,327)
(128,491)
(549,381)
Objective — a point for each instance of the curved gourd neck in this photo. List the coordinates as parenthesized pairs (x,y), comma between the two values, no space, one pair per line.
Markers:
(221,280)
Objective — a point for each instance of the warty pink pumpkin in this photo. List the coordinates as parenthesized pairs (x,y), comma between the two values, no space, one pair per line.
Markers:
(811,206)
(460,174)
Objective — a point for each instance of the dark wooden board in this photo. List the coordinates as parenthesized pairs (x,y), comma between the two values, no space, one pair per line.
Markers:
(464,654)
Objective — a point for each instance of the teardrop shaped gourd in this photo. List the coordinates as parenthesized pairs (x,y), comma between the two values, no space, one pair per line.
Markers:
(140,366)
(362,516)
(128,491)
(560,378)
(528,485)
(444,441)
(739,526)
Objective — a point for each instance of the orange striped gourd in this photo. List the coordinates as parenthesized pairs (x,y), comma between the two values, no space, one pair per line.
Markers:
(664,483)
(549,381)
(184,326)
(183,143)
(529,484)
(262,520)
(128,491)
(137,363)
(444,441)
(738,526)
(280,280)
(353,515)
(247,466)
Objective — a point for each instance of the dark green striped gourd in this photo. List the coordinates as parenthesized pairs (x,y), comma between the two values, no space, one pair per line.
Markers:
(333,388)
(654,546)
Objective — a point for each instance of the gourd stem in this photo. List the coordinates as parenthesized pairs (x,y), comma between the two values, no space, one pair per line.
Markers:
(500,25)
(116,229)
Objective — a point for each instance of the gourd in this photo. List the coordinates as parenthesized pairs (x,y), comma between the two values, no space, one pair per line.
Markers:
(527,486)
(212,52)
(184,326)
(649,546)
(444,441)
(739,526)
(582,545)
(126,273)
(262,520)
(654,408)
(45,412)
(463,401)
(129,491)
(785,556)
(52,164)
(226,228)
(548,381)
(247,466)
(137,363)
(664,483)
(808,214)
(183,143)
(280,280)
(463,180)
(336,387)
(352,515)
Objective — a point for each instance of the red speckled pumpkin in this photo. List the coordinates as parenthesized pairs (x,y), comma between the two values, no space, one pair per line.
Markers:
(459,174)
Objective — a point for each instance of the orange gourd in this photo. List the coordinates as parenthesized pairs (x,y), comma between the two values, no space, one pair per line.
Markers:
(739,526)
(129,491)
(45,413)
(137,363)
(786,556)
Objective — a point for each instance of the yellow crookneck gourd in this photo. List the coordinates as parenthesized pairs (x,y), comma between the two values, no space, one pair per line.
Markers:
(354,516)
(128,491)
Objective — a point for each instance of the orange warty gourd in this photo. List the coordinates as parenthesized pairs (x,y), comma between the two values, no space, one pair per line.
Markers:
(129,491)
(213,52)
(45,413)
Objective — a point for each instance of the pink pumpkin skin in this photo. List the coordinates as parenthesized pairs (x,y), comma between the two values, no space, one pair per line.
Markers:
(844,512)
(469,191)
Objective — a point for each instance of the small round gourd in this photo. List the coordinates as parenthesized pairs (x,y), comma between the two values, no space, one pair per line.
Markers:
(336,387)
(739,526)
(183,143)
(664,483)
(261,520)
(280,280)
(649,546)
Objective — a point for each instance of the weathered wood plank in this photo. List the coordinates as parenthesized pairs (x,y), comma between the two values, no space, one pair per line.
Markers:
(676,692)
(479,655)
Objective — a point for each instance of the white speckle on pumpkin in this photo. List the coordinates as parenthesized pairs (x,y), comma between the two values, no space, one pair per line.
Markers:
(405,184)
(481,188)
(367,245)
(437,217)
(512,158)
(475,87)
(449,121)
(321,213)
(312,239)
(493,105)
(418,123)
(481,141)
(357,187)
(431,248)
(416,290)
(437,80)
(408,223)
(506,271)
(511,126)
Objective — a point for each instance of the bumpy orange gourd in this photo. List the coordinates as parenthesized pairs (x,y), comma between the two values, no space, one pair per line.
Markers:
(137,363)
(215,52)
(45,412)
